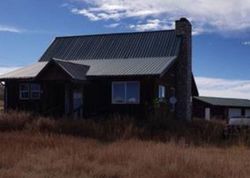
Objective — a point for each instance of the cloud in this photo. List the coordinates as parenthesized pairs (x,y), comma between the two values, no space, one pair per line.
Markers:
(206,15)
(4,28)
(223,87)
(152,24)
(113,25)
(4,70)
(246,43)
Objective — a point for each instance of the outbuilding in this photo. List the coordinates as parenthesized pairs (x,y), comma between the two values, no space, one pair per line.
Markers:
(220,108)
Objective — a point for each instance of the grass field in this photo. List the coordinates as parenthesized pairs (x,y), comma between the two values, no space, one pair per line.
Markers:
(38,147)
(58,156)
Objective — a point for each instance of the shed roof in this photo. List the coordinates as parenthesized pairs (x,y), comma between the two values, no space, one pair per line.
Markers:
(115,46)
(228,102)
(109,67)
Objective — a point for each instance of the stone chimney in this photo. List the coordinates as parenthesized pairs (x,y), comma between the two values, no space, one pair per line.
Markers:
(184,70)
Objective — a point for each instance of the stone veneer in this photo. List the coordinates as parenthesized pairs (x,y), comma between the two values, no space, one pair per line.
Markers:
(184,71)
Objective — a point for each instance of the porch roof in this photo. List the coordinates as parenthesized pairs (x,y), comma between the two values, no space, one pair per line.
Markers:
(80,69)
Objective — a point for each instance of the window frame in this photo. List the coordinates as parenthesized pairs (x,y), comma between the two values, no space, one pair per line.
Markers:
(30,91)
(160,87)
(125,83)
(24,91)
(35,91)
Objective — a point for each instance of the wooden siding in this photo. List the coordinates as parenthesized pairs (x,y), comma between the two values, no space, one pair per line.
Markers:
(98,96)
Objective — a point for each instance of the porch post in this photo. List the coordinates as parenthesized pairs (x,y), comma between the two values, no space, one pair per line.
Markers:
(5,98)
(67,99)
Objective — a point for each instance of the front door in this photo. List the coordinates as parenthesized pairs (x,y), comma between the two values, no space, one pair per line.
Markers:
(77,103)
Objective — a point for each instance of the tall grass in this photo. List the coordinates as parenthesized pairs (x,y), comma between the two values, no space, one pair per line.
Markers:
(42,155)
(116,127)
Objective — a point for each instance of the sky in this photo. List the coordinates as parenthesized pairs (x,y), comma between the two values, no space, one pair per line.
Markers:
(221,33)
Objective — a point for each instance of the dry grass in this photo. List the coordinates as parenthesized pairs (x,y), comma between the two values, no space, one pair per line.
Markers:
(117,147)
(117,127)
(59,156)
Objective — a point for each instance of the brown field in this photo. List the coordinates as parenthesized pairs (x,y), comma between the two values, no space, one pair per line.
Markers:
(48,155)
(38,147)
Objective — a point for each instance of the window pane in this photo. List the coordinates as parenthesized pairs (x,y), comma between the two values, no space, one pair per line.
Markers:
(24,87)
(35,87)
(133,92)
(24,95)
(118,93)
(35,95)
(24,91)
(35,91)
(161,91)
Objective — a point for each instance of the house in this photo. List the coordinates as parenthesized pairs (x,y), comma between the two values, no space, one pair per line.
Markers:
(108,73)
(220,108)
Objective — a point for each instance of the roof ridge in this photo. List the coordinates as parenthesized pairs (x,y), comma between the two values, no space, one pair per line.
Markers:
(134,58)
(116,33)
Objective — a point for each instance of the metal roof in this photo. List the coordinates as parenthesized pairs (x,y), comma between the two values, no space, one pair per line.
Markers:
(80,69)
(229,102)
(132,66)
(27,72)
(76,71)
(115,46)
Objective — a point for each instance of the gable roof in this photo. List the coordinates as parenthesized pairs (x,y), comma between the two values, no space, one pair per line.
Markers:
(75,71)
(229,102)
(115,46)
(80,69)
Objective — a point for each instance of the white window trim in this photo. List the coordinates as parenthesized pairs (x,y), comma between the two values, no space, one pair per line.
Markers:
(125,84)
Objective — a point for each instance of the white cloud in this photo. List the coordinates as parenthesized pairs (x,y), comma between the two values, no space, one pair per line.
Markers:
(152,24)
(223,87)
(4,28)
(206,15)
(4,70)
(246,43)
(113,25)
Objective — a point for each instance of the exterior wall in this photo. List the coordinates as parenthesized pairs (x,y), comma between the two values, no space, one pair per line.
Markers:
(51,100)
(169,81)
(184,70)
(98,97)
(217,112)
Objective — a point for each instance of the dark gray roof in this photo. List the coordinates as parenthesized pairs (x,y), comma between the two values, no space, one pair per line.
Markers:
(229,102)
(76,71)
(27,72)
(115,46)
(79,69)
(132,66)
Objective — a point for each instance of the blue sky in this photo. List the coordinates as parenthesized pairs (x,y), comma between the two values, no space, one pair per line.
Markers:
(221,32)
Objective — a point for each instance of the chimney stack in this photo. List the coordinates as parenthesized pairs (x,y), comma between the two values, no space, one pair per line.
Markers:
(184,70)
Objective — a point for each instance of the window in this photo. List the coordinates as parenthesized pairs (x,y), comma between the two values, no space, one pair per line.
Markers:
(162,92)
(29,91)
(125,93)
(24,91)
(35,91)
